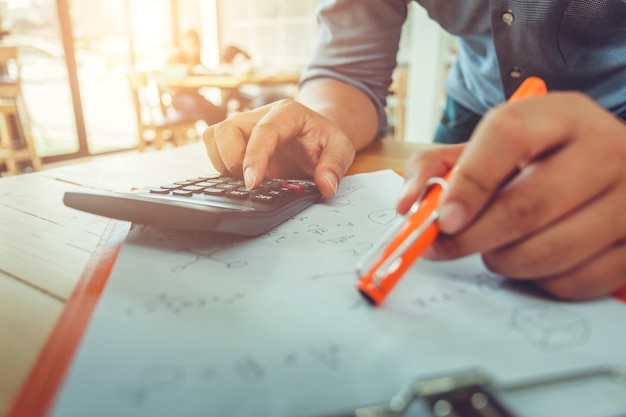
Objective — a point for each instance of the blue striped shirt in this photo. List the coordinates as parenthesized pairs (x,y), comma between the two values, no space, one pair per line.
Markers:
(571,44)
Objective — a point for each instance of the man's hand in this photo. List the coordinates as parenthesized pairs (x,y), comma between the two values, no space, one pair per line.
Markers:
(539,190)
(316,136)
(283,139)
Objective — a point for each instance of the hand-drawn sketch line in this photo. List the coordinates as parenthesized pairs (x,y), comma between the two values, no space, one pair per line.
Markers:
(317,229)
(550,327)
(151,381)
(343,198)
(439,298)
(180,304)
(249,369)
(331,274)
(210,255)
(357,249)
(166,302)
(386,217)
(330,355)
(278,235)
(337,240)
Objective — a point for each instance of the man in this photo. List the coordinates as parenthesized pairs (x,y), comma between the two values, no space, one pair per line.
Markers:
(188,101)
(539,188)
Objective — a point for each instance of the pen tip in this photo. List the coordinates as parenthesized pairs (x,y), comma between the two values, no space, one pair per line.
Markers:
(367,297)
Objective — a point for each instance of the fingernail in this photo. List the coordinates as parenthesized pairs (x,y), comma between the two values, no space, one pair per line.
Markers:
(452,218)
(249,178)
(332,180)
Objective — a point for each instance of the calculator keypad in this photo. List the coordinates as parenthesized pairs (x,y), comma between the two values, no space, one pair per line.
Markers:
(204,189)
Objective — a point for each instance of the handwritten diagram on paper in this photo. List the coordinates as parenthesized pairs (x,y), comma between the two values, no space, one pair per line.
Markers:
(193,324)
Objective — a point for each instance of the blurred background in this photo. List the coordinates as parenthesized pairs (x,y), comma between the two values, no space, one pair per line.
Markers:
(74,59)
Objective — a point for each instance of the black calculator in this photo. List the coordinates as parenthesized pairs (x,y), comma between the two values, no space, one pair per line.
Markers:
(219,204)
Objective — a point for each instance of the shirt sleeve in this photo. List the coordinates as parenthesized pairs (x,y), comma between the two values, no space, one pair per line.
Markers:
(357,44)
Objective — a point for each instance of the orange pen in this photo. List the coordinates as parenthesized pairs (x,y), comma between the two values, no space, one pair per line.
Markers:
(418,230)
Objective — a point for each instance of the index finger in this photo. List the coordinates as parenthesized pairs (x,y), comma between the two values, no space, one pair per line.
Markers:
(508,138)
(283,122)
(226,141)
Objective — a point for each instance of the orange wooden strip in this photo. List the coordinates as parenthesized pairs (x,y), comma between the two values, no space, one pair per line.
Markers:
(37,394)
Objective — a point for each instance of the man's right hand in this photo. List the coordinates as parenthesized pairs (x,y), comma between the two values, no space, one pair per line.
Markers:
(539,191)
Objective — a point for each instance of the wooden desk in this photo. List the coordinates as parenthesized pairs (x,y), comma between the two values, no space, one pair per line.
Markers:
(227,81)
(45,246)
(230,85)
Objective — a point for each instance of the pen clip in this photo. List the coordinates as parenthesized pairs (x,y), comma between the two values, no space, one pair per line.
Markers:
(418,224)
(388,265)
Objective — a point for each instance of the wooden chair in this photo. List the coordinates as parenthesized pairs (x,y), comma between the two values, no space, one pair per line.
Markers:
(157,122)
(398,89)
(16,141)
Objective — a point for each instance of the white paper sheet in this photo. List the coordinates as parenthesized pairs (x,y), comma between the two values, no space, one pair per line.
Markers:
(196,325)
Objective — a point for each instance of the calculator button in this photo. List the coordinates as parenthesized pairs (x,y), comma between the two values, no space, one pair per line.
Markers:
(159,191)
(292,186)
(185,182)
(171,186)
(273,183)
(236,182)
(214,181)
(279,193)
(194,189)
(307,187)
(238,194)
(227,186)
(214,191)
(204,184)
(264,198)
(182,193)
